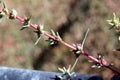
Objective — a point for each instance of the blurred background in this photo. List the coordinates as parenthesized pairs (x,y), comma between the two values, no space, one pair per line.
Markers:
(71,18)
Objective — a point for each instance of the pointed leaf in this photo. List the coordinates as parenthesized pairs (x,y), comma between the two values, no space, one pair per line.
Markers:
(59,36)
(29,18)
(41,27)
(13,14)
(96,65)
(53,33)
(24,27)
(2,15)
(93,66)
(14,11)
(114,16)
(64,69)
(6,11)
(37,40)
(112,27)
(69,68)
(79,47)
(4,6)
(85,38)
(60,69)
(27,21)
(36,31)
(100,56)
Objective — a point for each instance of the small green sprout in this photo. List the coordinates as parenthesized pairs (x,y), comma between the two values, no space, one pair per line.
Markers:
(26,23)
(55,41)
(100,58)
(114,22)
(56,35)
(13,14)
(39,32)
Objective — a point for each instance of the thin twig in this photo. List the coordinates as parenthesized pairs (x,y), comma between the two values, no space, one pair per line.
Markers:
(75,63)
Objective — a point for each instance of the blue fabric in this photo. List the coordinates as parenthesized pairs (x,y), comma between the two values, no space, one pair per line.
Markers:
(7,73)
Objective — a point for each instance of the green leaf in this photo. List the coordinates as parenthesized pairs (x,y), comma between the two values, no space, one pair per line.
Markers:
(114,16)
(26,23)
(119,38)
(39,33)
(96,65)
(41,29)
(13,14)
(100,56)
(114,22)
(52,42)
(58,36)
(24,27)
(2,15)
(37,40)
(66,73)
(53,33)
(4,5)
(111,27)
(6,11)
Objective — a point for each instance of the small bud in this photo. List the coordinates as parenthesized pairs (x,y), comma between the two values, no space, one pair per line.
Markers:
(26,23)
(41,28)
(114,23)
(52,42)
(6,11)
(13,14)
(2,15)
(56,39)
(58,36)
(100,56)
(96,65)
(77,52)
(39,32)
(4,6)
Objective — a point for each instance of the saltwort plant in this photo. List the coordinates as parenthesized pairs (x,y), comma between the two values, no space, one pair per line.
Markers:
(54,38)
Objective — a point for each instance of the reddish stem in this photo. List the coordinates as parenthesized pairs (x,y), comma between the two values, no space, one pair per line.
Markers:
(103,63)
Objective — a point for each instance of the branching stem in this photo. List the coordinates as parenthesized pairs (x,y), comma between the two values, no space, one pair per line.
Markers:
(104,63)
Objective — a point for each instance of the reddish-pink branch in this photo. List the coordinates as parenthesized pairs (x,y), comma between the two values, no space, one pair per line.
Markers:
(64,43)
(103,63)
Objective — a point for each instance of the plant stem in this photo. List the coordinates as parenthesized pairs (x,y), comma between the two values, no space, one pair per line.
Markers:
(104,63)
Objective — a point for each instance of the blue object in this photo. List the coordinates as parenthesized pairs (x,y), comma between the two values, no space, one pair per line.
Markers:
(7,73)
